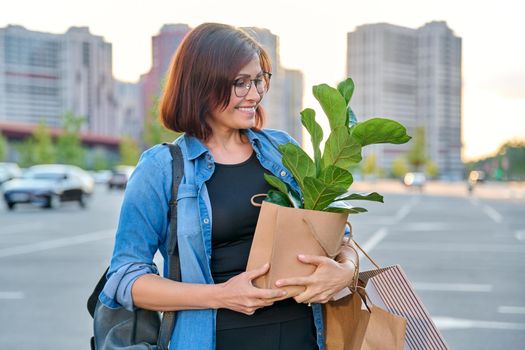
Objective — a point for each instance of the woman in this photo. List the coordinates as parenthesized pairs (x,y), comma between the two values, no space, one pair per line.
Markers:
(217,80)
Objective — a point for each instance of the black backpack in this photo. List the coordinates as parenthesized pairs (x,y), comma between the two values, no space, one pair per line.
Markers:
(120,329)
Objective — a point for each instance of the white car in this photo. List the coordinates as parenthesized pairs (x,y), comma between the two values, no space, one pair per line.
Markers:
(9,171)
(415,179)
(48,185)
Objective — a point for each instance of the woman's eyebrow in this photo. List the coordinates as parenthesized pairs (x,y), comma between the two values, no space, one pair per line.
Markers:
(249,75)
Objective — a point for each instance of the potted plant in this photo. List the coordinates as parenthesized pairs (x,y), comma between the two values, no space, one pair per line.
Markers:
(312,222)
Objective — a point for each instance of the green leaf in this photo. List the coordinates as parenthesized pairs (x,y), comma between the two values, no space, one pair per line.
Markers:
(275,182)
(317,195)
(298,162)
(336,177)
(341,149)
(316,135)
(373,196)
(333,104)
(346,89)
(344,207)
(380,130)
(278,198)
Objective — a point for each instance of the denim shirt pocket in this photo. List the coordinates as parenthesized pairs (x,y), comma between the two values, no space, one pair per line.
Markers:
(188,210)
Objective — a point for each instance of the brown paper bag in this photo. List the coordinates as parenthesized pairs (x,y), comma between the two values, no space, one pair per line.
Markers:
(351,325)
(282,233)
(390,289)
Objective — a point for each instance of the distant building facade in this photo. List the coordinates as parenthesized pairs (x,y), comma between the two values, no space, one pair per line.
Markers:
(129,117)
(44,75)
(164,45)
(412,76)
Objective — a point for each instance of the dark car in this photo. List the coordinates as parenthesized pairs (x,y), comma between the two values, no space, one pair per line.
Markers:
(49,185)
(120,176)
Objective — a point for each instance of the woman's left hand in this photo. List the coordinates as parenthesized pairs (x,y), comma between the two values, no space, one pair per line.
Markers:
(327,280)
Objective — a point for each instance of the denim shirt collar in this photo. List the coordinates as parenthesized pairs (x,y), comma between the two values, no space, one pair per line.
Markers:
(196,147)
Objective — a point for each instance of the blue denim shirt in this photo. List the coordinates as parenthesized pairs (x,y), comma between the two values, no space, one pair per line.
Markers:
(144,227)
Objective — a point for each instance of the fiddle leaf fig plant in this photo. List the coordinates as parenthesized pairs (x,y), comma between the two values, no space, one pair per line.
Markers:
(324,181)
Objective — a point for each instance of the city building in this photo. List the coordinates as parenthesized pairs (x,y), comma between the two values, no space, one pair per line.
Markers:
(44,75)
(412,76)
(129,117)
(164,45)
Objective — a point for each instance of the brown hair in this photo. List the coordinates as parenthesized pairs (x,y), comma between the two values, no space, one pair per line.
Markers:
(200,77)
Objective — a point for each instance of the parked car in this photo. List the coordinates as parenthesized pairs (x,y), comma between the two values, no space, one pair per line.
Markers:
(101,176)
(120,176)
(9,171)
(48,185)
(414,180)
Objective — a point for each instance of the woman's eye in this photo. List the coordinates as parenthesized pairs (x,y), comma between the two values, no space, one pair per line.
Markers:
(239,83)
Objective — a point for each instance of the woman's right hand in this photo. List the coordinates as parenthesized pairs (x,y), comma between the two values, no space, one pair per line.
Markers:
(239,294)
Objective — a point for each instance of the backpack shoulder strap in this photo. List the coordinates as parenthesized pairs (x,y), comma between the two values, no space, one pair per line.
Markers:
(168,318)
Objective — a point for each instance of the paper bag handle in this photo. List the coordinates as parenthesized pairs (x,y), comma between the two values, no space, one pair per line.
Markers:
(254,203)
(368,256)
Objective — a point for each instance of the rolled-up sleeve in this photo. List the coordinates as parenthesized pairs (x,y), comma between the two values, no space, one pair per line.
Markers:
(142,228)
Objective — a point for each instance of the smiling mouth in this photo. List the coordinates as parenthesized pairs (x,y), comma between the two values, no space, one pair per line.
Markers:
(246,109)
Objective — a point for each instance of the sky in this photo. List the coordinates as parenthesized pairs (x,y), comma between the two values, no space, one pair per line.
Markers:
(313,39)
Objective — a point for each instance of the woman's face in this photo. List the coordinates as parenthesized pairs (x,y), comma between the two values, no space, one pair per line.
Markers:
(240,112)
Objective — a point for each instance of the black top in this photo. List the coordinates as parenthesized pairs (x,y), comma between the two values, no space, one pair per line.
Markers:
(234,220)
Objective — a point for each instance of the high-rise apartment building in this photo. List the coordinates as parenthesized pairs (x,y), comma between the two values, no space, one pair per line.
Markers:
(44,75)
(164,45)
(412,76)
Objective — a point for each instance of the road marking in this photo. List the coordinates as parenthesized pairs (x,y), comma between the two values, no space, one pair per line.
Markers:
(493,214)
(455,247)
(11,295)
(57,243)
(403,212)
(512,310)
(452,287)
(374,240)
(444,323)
(520,235)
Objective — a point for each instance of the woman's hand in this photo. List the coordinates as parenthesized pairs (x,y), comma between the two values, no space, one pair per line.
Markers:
(327,280)
(239,294)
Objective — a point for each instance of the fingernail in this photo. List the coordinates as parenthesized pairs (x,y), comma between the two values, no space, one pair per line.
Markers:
(301,256)
(278,283)
(283,293)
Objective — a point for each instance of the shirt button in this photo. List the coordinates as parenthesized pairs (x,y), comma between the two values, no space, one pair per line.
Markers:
(206,221)
(283,173)
(209,166)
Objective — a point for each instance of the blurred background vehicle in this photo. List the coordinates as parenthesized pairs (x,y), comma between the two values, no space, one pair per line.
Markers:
(477,176)
(415,180)
(9,171)
(120,176)
(48,185)
(101,176)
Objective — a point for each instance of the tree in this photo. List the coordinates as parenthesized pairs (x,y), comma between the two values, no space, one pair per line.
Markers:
(431,169)
(100,161)
(43,149)
(129,151)
(3,147)
(369,166)
(154,131)
(417,153)
(69,146)
(399,167)
(25,152)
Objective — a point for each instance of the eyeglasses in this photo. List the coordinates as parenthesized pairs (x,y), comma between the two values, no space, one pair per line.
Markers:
(243,85)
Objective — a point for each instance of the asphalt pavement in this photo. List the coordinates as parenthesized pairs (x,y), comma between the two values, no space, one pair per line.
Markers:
(464,256)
